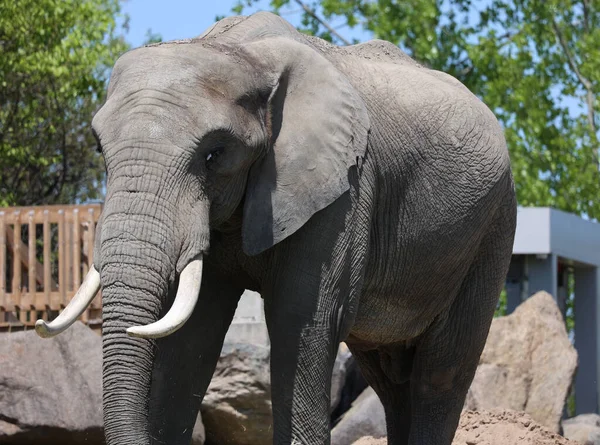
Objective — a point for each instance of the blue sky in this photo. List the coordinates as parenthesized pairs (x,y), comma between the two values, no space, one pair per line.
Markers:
(177,19)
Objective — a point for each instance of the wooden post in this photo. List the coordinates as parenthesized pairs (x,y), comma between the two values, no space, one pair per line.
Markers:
(76,251)
(16,278)
(18,270)
(68,256)
(76,239)
(47,261)
(62,282)
(3,265)
(31,260)
(90,252)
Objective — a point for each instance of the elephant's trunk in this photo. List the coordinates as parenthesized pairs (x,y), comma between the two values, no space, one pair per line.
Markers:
(130,298)
(140,248)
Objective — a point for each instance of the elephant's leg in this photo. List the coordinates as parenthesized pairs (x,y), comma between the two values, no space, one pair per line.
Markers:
(447,355)
(185,361)
(304,342)
(394,392)
(309,306)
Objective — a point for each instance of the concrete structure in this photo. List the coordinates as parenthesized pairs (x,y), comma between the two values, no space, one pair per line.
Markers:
(549,245)
(248,325)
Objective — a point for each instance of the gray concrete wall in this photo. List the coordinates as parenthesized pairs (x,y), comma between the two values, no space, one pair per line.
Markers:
(248,325)
(587,332)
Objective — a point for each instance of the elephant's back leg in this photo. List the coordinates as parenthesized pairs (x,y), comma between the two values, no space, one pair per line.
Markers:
(387,370)
(447,354)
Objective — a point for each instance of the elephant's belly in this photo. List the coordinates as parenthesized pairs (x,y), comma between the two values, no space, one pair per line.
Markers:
(400,301)
(384,319)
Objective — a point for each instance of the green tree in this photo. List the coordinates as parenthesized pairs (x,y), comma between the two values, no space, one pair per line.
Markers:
(535,63)
(55,59)
(152,37)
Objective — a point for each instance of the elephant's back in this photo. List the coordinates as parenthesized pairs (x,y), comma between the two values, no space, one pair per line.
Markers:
(441,170)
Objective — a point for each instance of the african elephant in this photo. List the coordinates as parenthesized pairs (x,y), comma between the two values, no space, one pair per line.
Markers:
(367,198)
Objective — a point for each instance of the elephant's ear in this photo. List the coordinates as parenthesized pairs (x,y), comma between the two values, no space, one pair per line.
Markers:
(318,128)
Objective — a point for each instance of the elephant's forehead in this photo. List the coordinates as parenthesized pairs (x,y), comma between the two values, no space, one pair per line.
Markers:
(186,86)
(159,116)
(181,68)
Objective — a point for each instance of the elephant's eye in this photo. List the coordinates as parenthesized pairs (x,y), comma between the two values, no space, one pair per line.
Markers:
(214,154)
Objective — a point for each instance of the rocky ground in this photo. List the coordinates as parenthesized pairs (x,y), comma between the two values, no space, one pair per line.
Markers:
(527,367)
(495,428)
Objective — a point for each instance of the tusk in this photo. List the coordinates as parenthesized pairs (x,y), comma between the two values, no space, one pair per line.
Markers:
(183,306)
(77,306)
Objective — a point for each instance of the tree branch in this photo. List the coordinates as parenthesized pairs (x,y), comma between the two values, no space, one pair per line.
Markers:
(587,84)
(322,22)
(586,15)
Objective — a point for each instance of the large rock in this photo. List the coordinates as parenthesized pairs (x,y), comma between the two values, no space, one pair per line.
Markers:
(365,418)
(347,382)
(198,434)
(341,367)
(51,389)
(583,429)
(237,407)
(528,363)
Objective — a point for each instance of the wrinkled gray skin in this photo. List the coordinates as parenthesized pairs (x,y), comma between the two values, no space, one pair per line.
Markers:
(365,197)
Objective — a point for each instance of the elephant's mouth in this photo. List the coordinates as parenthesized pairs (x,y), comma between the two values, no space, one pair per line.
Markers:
(188,291)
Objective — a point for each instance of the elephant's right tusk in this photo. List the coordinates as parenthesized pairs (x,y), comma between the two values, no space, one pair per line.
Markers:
(183,306)
(77,306)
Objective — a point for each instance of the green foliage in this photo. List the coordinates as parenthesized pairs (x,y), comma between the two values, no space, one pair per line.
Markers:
(56,56)
(536,64)
(152,37)
(501,306)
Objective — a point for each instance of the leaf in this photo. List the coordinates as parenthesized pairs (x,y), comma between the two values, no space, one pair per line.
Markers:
(55,61)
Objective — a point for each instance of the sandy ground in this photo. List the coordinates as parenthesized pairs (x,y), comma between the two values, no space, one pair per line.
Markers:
(498,428)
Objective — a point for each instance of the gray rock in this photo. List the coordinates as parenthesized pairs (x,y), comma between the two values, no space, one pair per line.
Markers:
(199,434)
(365,418)
(347,382)
(528,363)
(237,406)
(341,367)
(51,389)
(584,429)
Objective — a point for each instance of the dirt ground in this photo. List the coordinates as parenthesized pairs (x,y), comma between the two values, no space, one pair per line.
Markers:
(498,428)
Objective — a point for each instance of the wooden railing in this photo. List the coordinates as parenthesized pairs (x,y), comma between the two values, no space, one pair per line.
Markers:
(44,254)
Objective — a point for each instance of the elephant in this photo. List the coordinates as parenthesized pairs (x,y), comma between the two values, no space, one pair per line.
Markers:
(367,198)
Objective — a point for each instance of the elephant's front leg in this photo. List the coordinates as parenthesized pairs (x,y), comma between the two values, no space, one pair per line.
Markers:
(309,308)
(185,361)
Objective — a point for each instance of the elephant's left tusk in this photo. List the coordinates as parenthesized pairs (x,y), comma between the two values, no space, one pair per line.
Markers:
(183,306)
(82,299)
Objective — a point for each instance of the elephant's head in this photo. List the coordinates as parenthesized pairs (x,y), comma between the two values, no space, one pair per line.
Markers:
(190,132)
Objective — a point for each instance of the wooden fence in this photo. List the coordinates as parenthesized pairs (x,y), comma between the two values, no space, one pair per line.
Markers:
(45,252)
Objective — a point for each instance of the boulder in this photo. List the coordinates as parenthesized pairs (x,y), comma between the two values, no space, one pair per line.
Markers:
(583,429)
(365,418)
(528,363)
(51,389)
(347,382)
(198,434)
(237,406)
(342,365)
